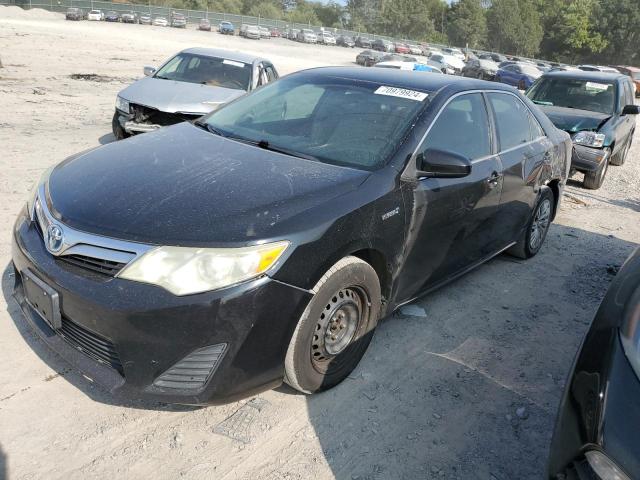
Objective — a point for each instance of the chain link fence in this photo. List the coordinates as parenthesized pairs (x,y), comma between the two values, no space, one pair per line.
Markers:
(193,16)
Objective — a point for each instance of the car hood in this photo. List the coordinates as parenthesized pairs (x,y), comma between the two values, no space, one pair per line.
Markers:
(171,96)
(181,185)
(573,120)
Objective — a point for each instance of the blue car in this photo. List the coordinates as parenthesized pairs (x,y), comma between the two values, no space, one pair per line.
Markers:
(226,28)
(520,75)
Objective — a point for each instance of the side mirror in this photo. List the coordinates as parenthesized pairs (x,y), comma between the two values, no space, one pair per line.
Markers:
(631,110)
(442,164)
(148,71)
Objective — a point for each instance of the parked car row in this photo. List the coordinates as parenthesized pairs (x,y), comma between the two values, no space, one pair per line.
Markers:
(176,19)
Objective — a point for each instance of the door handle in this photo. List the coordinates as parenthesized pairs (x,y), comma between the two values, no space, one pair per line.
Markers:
(493,179)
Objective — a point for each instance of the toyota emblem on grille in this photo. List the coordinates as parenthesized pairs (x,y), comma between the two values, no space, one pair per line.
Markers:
(55,238)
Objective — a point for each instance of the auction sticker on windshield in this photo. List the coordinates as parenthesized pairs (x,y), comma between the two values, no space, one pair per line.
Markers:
(597,86)
(402,93)
(231,62)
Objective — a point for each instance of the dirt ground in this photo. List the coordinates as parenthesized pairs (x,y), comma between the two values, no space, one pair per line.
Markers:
(465,389)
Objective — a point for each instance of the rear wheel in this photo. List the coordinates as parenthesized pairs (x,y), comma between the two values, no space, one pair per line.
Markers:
(537,229)
(593,180)
(336,327)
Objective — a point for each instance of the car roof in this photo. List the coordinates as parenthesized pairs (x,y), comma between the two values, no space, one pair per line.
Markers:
(584,75)
(228,54)
(406,79)
(631,69)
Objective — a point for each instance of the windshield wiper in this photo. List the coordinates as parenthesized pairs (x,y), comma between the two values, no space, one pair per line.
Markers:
(209,128)
(274,148)
(542,102)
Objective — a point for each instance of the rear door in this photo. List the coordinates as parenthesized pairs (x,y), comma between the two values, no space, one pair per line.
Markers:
(524,151)
(453,224)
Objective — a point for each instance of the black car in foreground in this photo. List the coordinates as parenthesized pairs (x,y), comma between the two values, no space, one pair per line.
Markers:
(208,261)
(596,434)
(597,110)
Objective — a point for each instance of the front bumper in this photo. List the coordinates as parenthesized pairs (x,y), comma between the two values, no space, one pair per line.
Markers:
(148,330)
(145,119)
(586,159)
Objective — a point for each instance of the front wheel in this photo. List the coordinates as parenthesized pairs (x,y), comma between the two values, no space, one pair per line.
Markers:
(336,328)
(620,156)
(117,129)
(537,228)
(594,180)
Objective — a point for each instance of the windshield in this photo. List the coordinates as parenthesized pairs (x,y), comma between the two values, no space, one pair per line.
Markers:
(212,71)
(331,120)
(574,93)
(93,12)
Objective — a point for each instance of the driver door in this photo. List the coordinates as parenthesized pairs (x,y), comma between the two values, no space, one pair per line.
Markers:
(453,220)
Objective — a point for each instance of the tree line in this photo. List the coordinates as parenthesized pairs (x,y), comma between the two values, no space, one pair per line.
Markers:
(570,31)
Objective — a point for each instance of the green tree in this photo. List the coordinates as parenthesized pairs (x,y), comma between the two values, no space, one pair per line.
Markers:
(618,21)
(265,9)
(467,24)
(303,13)
(514,27)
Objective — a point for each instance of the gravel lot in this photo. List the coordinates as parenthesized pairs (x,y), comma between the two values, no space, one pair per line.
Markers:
(464,386)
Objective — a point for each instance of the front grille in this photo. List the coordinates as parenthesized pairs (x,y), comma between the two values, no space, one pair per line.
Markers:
(142,114)
(99,265)
(193,371)
(90,344)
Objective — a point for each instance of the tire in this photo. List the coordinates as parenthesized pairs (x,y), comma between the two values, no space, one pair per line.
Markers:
(521,85)
(593,180)
(619,158)
(529,245)
(346,299)
(117,129)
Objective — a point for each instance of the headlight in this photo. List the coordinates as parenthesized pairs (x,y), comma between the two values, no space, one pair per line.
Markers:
(589,139)
(122,104)
(184,271)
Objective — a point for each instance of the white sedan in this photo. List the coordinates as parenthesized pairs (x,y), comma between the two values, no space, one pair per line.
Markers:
(447,63)
(160,22)
(95,15)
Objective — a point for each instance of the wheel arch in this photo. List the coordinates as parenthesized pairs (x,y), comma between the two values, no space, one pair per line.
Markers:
(554,186)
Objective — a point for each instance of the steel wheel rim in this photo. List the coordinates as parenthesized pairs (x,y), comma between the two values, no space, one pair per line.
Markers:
(540,224)
(338,325)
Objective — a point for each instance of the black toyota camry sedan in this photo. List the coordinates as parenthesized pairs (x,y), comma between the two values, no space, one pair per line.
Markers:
(208,261)
(596,434)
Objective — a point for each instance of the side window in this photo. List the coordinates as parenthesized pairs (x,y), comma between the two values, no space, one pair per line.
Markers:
(271,74)
(536,129)
(462,127)
(512,120)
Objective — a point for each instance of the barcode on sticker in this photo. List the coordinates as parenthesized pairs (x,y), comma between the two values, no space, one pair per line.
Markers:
(402,93)
(231,62)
